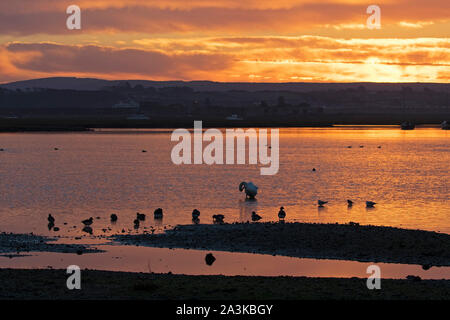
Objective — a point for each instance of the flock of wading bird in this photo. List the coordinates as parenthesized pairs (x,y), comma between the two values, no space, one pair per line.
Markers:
(250,193)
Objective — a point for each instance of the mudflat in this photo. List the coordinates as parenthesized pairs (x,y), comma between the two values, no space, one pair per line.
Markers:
(51,285)
(307,240)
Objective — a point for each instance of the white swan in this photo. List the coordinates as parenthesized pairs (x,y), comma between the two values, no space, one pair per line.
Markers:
(250,189)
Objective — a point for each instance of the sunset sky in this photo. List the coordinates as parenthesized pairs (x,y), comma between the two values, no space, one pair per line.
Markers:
(227,40)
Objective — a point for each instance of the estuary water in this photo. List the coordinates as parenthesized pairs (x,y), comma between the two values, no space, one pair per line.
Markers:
(94,174)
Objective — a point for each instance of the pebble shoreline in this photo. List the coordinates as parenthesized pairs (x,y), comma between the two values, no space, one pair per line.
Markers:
(101,285)
(13,244)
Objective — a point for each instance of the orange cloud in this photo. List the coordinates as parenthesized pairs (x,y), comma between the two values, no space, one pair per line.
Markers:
(245,17)
(249,59)
(227,40)
(100,61)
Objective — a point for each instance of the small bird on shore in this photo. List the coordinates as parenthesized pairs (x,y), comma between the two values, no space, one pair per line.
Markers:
(370,204)
(113,217)
(195,214)
(281,213)
(349,203)
(140,216)
(255,216)
(218,218)
(88,222)
(321,203)
(158,214)
(51,219)
(413,278)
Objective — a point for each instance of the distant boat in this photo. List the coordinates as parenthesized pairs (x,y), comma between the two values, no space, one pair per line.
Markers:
(10,117)
(137,117)
(234,117)
(407,125)
(445,125)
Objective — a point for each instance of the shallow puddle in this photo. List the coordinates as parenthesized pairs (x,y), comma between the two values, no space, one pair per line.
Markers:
(192,262)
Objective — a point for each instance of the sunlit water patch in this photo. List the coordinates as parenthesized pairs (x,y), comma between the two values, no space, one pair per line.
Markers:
(192,262)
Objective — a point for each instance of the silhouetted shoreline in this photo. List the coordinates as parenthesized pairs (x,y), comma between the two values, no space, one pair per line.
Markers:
(15,245)
(71,104)
(330,241)
(73,126)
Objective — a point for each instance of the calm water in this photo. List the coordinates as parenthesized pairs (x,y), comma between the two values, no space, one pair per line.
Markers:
(98,173)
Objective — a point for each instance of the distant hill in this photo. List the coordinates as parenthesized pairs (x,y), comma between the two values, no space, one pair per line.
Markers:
(72,83)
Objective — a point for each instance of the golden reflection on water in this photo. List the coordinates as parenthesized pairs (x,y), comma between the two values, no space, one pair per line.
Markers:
(99,173)
(192,262)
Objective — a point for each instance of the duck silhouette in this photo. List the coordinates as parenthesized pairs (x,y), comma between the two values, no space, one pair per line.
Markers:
(321,203)
(87,229)
(281,213)
(88,222)
(51,219)
(218,218)
(140,216)
(255,216)
(370,204)
(195,214)
(158,214)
